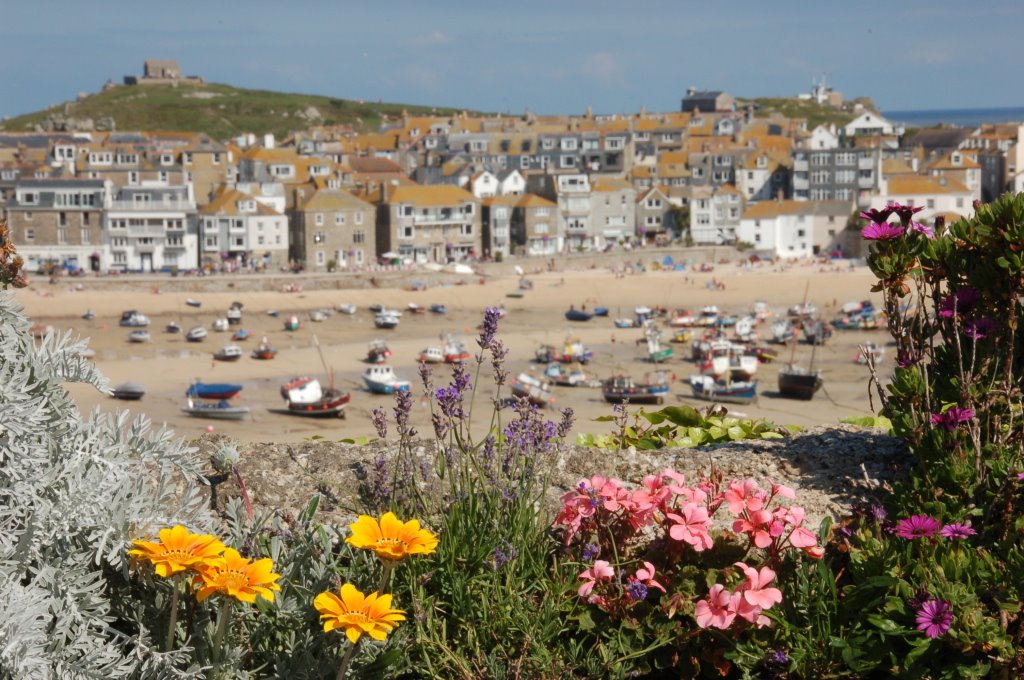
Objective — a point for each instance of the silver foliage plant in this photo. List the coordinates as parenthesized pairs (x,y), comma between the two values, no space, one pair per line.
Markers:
(74,492)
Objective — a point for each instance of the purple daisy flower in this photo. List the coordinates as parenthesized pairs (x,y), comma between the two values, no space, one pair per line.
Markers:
(918,526)
(961,303)
(952,417)
(882,231)
(934,618)
(879,216)
(957,530)
(904,212)
(922,229)
(979,329)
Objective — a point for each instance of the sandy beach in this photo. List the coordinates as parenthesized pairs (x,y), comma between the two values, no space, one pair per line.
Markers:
(167,364)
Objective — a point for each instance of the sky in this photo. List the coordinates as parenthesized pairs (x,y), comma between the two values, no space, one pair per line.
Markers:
(550,56)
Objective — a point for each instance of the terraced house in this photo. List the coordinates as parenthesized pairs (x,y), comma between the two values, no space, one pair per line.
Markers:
(332,229)
(436,223)
(150,228)
(237,227)
(59,221)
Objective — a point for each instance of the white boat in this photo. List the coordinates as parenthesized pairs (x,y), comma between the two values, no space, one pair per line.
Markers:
(317,316)
(381,379)
(220,325)
(739,366)
(761,310)
(133,319)
(432,355)
(192,302)
(220,410)
(89,315)
(139,336)
(744,329)
(386,319)
(197,334)
(172,327)
(347,308)
(234,315)
(228,353)
(533,389)
(129,391)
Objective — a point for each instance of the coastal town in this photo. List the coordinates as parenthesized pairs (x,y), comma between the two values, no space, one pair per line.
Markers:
(444,189)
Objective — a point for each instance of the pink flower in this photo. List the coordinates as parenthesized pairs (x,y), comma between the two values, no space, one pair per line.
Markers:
(918,526)
(922,229)
(961,303)
(691,526)
(904,212)
(881,231)
(601,571)
(803,538)
(645,575)
(952,417)
(782,490)
(719,610)
(957,530)
(756,591)
(879,216)
(758,525)
(743,495)
(934,617)
(815,552)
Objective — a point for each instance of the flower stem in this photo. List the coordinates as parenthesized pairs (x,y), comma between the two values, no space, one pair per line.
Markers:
(222,629)
(346,660)
(172,621)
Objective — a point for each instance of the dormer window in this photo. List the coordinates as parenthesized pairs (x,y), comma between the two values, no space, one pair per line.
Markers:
(166,159)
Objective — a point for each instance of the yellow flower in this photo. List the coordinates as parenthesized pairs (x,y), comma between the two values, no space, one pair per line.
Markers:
(178,550)
(237,577)
(357,613)
(391,539)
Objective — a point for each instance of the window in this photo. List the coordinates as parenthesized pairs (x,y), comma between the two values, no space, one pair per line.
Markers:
(120,258)
(359,218)
(259,240)
(62,219)
(211,242)
(216,159)
(569,144)
(62,236)
(547,144)
(931,203)
(653,203)
(959,202)
(407,210)
(704,219)
(757,238)
(318,237)
(320,257)
(541,228)
(698,172)
(30,234)
(405,232)
(567,161)
(119,242)
(239,241)
(800,232)
(85,219)
(319,219)
(86,236)
(542,212)
(339,218)
(164,176)
(359,256)
(29,198)
(28,216)
(133,177)
(359,237)
(466,229)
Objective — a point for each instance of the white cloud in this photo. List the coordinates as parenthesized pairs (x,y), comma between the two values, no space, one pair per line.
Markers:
(603,68)
(431,39)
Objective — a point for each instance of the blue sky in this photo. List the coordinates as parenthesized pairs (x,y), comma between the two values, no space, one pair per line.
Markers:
(553,56)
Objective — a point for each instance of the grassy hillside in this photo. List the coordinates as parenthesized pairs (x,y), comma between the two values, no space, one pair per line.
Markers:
(221,111)
(815,113)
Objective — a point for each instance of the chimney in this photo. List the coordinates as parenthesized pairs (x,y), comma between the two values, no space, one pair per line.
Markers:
(268,140)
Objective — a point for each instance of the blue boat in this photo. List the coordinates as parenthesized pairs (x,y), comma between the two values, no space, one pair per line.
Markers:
(600,311)
(439,309)
(735,392)
(212,390)
(578,315)
(381,379)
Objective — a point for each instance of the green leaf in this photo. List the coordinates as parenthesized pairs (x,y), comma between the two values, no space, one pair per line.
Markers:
(736,432)
(685,416)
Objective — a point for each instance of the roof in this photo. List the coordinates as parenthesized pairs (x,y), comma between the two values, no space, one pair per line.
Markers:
(897,166)
(334,199)
(771,209)
(226,203)
(508,199)
(606,184)
(372,164)
(921,184)
(431,195)
(535,201)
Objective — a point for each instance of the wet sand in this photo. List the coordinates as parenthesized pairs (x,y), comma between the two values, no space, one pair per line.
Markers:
(167,364)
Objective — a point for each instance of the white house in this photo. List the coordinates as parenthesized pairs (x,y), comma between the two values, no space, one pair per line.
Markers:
(511,183)
(793,229)
(575,220)
(483,185)
(151,228)
(822,137)
(937,195)
(715,214)
(868,124)
(241,227)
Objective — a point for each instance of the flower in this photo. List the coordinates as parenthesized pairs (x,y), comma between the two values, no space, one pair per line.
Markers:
(934,618)
(636,591)
(178,550)
(691,526)
(391,539)
(922,229)
(960,303)
(590,552)
(645,575)
(878,216)
(489,327)
(380,421)
(357,613)
(979,329)
(882,231)
(957,530)
(918,526)
(952,417)
(756,591)
(601,571)
(904,212)
(237,577)
(719,610)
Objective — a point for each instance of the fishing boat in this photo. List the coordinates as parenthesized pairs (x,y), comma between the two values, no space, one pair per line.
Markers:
(416,309)
(816,331)
(656,352)
(317,316)
(600,311)
(228,353)
(192,302)
(729,392)
(869,350)
(377,352)
(129,391)
(376,307)
(573,352)
(305,396)
(624,323)
(240,334)
(783,331)
(273,312)
(89,315)
(560,374)
(291,323)
(682,318)
(234,316)
(220,325)
(533,389)
(765,355)
(264,351)
(134,319)
(682,335)
(431,355)
(761,311)
(803,309)
(172,327)
(796,382)
(139,335)
(347,308)
(439,309)
(220,410)
(381,379)
(744,329)
(621,389)
(455,351)
(201,390)
(386,319)
(197,334)
(578,315)
(733,364)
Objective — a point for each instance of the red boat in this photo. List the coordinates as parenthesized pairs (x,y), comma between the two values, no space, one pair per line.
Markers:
(378,352)
(305,396)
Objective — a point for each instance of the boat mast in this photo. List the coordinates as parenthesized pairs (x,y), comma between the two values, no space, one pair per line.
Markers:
(796,341)
(323,361)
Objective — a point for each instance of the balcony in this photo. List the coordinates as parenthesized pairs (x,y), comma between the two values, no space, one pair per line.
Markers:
(801,184)
(865,163)
(800,166)
(153,206)
(149,230)
(455,218)
(866,182)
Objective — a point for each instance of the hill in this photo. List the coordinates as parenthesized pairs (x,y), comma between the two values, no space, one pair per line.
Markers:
(791,107)
(221,111)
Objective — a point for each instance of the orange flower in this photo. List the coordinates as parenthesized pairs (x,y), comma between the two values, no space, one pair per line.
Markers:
(178,550)
(391,539)
(357,613)
(237,577)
